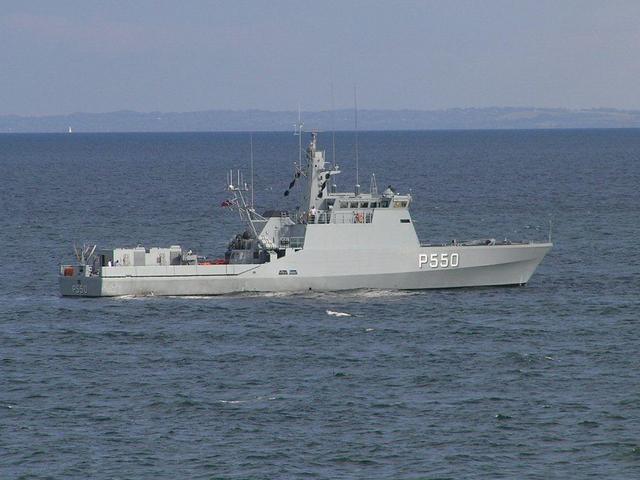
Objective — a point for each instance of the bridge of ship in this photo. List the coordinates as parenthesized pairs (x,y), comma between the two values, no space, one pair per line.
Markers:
(347,208)
(284,235)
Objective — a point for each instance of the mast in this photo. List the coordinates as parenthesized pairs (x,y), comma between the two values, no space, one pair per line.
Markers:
(314,173)
(299,129)
(355,107)
(333,129)
(251,160)
(373,186)
(239,203)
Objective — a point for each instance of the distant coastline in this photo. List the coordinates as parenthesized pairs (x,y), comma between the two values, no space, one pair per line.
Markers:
(261,120)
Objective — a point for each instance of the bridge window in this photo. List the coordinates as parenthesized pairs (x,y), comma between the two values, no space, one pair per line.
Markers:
(344,204)
(353,205)
(364,205)
(374,204)
(400,204)
(384,203)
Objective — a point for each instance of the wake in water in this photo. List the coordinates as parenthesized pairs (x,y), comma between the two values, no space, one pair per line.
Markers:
(255,399)
(340,294)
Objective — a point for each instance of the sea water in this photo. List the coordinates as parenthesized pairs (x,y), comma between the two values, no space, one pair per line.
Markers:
(541,381)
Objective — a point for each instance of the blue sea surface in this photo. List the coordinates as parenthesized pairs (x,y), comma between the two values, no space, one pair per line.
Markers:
(535,382)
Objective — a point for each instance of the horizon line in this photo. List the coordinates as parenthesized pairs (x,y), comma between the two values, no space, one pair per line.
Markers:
(345,109)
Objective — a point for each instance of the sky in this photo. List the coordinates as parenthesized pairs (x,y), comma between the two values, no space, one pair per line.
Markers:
(63,56)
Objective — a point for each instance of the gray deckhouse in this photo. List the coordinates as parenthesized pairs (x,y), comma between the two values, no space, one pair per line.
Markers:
(331,219)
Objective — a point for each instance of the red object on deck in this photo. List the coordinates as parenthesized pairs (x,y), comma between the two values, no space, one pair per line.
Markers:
(68,271)
(217,261)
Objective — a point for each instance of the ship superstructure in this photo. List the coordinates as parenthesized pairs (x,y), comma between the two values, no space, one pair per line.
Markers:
(341,240)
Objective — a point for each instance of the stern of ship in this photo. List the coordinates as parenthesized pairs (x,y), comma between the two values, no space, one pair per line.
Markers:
(79,281)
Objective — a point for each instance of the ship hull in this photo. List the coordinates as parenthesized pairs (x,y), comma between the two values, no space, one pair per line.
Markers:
(429,267)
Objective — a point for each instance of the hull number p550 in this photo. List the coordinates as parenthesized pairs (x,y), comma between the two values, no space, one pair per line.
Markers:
(438,260)
(79,289)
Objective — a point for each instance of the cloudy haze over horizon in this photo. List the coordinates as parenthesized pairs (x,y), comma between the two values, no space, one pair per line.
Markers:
(70,56)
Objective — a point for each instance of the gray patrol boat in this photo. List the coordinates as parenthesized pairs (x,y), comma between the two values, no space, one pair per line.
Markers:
(343,241)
